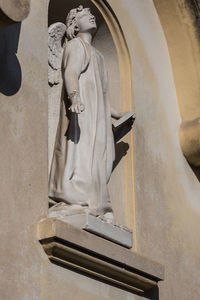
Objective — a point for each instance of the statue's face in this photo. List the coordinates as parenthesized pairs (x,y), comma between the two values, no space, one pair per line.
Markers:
(86,21)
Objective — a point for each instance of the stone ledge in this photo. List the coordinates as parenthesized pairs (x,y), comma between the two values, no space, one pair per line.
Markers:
(69,246)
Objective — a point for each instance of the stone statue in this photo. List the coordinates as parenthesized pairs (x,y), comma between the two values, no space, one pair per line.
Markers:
(84,148)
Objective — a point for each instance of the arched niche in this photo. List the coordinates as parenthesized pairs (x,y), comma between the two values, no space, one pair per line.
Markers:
(109,40)
(180,22)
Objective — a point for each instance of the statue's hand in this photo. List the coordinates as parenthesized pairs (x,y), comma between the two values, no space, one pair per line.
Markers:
(115,114)
(120,115)
(77,107)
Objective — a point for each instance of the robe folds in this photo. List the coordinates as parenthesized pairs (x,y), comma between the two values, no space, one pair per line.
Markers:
(80,171)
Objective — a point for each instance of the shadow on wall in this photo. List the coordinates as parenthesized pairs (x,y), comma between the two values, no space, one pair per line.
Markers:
(153,294)
(121,150)
(10,70)
(196,171)
(194,6)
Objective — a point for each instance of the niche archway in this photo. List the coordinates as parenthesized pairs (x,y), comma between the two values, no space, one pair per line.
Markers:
(180,22)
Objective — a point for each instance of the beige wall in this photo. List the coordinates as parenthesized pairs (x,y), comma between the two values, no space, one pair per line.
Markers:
(23,153)
(184,49)
(181,28)
(167,191)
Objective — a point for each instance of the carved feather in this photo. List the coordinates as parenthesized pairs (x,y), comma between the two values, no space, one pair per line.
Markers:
(55,51)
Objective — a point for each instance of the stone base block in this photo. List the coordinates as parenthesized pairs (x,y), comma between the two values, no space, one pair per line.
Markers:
(111,231)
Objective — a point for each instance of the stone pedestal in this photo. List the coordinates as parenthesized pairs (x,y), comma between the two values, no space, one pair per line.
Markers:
(70,247)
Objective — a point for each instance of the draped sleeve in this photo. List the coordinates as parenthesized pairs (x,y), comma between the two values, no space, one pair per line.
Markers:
(76,52)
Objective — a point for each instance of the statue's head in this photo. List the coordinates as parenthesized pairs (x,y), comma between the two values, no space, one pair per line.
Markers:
(79,20)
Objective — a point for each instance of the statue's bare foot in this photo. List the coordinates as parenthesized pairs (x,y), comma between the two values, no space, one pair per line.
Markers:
(108,217)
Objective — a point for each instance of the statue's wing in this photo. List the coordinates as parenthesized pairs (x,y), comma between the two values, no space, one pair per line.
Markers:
(55,50)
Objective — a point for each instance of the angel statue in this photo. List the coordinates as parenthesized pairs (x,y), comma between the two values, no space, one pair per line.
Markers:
(84,148)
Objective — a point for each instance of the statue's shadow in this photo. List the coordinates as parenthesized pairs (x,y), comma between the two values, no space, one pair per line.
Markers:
(10,70)
(121,149)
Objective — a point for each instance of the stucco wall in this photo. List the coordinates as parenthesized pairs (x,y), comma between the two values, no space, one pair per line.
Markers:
(23,153)
(167,191)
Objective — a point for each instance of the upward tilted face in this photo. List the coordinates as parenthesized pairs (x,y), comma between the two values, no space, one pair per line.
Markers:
(85,20)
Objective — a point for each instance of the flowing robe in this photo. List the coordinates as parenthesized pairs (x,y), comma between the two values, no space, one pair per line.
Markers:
(80,171)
